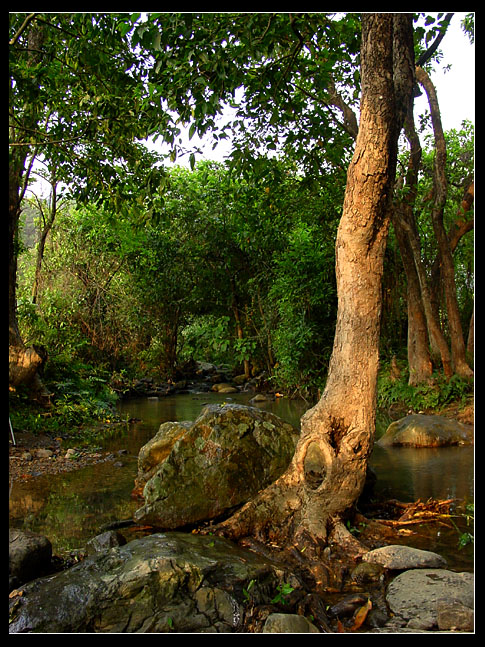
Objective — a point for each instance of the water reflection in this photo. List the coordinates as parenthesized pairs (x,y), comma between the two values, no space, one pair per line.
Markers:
(70,508)
(409,473)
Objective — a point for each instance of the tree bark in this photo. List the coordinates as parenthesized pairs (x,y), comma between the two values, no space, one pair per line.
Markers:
(305,506)
(403,218)
(458,356)
(419,358)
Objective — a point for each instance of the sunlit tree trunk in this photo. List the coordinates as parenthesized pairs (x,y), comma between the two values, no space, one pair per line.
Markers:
(306,504)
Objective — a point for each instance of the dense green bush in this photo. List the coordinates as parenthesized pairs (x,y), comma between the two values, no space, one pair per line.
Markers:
(435,394)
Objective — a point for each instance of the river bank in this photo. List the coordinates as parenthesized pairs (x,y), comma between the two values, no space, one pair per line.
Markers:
(34,455)
(422,525)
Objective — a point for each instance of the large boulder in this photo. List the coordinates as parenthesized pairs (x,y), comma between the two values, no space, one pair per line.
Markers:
(218,462)
(418,430)
(161,583)
(158,448)
(29,555)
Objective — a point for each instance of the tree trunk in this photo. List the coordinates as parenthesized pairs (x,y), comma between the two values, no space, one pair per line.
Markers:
(47,226)
(239,329)
(306,504)
(470,345)
(458,356)
(403,219)
(419,358)
(24,363)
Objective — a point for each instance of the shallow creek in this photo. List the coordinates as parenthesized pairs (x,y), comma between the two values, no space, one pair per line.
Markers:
(70,508)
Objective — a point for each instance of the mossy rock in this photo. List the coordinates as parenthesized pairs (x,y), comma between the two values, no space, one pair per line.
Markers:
(221,461)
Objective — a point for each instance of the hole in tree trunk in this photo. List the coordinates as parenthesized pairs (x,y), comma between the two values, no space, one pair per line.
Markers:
(314,466)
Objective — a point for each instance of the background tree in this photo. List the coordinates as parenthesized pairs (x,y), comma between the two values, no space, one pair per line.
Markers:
(72,101)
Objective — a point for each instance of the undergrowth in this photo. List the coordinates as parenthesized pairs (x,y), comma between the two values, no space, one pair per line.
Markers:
(80,395)
(435,394)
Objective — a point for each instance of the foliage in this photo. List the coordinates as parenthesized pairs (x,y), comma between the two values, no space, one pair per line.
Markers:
(284,591)
(73,101)
(80,395)
(435,394)
(465,537)
(225,263)
(305,293)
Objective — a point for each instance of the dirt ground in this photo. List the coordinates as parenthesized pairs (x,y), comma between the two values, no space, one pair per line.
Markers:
(28,458)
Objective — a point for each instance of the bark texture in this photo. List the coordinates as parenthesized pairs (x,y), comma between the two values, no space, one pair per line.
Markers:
(306,504)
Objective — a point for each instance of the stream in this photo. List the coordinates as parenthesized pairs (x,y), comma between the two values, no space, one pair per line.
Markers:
(71,507)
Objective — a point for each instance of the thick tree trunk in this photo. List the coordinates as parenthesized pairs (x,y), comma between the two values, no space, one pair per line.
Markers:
(306,504)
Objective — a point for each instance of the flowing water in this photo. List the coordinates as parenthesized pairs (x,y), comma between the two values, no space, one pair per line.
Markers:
(70,508)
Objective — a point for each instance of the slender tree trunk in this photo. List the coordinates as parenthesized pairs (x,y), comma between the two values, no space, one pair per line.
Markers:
(239,328)
(419,358)
(470,345)
(403,218)
(24,363)
(458,356)
(48,221)
(306,504)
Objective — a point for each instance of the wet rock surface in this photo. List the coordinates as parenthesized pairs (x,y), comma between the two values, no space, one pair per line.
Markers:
(396,557)
(288,623)
(190,583)
(159,583)
(29,556)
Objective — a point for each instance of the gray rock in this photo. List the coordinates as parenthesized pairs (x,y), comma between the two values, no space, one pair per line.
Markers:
(399,558)
(454,616)
(158,448)
(104,541)
(161,583)
(29,556)
(218,462)
(261,397)
(418,430)
(288,623)
(414,594)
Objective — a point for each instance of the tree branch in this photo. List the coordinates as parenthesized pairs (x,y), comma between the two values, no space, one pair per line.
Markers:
(425,56)
(23,27)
